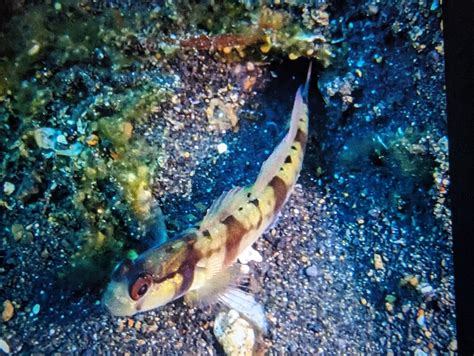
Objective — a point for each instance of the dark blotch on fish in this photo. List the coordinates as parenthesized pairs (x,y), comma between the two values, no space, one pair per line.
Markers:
(280,190)
(301,137)
(235,232)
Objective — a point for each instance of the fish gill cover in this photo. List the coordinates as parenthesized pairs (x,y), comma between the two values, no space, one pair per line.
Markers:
(110,111)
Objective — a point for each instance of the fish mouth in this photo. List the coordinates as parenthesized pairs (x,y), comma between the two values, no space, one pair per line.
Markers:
(116,300)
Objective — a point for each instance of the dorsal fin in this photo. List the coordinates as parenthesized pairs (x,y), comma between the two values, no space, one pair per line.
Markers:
(224,206)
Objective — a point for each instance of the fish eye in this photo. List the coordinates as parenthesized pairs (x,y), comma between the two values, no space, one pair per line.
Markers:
(140,286)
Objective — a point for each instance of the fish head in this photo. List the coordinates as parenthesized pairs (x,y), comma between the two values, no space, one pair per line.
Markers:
(153,279)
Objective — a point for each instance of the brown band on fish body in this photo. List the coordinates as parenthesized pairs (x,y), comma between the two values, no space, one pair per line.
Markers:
(235,232)
(301,137)
(186,270)
(280,190)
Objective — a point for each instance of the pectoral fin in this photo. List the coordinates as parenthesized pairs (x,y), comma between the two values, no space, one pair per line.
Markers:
(222,288)
(214,287)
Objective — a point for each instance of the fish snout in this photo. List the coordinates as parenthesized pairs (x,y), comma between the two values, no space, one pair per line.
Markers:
(116,300)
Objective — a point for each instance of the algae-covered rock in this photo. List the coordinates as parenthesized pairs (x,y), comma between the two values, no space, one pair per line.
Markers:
(77,86)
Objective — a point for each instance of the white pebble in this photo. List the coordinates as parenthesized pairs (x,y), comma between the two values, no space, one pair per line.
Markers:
(36,309)
(250,254)
(8,188)
(221,148)
(235,334)
(34,49)
(4,346)
(426,289)
(419,352)
(245,269)
(61,139)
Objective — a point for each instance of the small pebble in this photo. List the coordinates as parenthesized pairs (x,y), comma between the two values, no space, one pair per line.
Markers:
(245,269)
(413,281)
(420,318)
(419,352)
(8,188)
(426,289)
(221,148)
(61,139)
(18,231)
(375,213)
(293,56)
(152,328)
(121,325)
(312,271)
(378,263)
(250,254)
(36,309)
(92,140)
(373,9)
(34,49)
(4,346)
(8,310)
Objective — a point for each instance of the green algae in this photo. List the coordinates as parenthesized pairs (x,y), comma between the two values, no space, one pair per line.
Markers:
(128,168)
(56,66)
(46,74)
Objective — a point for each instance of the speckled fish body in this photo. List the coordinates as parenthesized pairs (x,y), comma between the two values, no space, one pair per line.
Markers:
(199,257)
